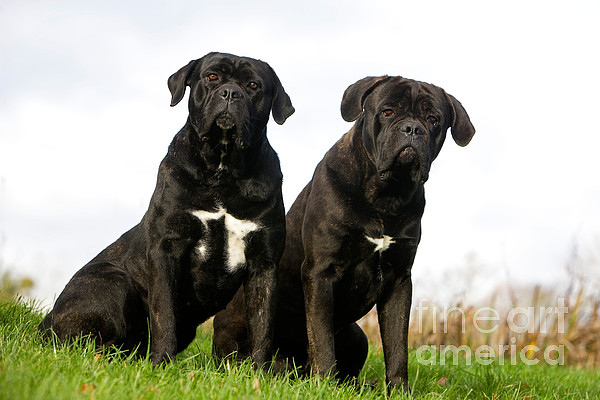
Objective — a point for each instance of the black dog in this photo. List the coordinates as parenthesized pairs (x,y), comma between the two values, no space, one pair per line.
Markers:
(353,232)
(216,219)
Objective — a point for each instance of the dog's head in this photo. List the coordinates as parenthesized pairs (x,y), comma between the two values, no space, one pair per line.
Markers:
(230,100)
(404,124)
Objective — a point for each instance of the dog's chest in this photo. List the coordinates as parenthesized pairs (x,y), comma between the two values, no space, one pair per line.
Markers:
(224,236)
(373,254)
(381,244)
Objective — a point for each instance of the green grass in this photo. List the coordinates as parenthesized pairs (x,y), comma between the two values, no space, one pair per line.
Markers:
(31,368)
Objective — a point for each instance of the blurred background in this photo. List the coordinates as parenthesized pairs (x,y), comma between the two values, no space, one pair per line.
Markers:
(85,121)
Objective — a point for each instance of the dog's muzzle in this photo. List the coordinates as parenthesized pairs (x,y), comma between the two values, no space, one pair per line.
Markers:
(228,127)
(411,159)
(406,163)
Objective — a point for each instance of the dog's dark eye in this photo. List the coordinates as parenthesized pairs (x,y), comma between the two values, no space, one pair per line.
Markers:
(388,113)
(432,120)
(212,77)
(253,85)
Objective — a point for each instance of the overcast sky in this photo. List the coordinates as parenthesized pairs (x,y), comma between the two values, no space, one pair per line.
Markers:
(85,120)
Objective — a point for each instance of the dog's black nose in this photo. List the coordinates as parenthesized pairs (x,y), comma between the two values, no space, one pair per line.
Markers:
(411,128)
(230,92)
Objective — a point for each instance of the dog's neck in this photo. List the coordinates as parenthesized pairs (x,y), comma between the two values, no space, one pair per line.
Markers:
(217,162)
(259,178)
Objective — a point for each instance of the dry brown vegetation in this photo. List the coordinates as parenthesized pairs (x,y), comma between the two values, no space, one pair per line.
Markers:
(538,317)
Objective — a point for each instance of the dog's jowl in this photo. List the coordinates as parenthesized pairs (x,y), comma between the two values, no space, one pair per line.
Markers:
(215,221)
(353,232)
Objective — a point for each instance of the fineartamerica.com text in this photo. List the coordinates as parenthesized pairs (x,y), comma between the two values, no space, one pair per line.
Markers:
(486,320)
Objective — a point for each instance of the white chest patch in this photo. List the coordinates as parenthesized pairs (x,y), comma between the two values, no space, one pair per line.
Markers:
(381,244)
(235,231)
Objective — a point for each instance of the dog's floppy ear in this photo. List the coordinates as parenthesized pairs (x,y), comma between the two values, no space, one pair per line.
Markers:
(462,128)
(178,81)
(281,108)
(355,95)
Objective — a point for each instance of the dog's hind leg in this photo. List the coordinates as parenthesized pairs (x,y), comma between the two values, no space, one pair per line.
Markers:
(351,348)
(231,329)
(97,302)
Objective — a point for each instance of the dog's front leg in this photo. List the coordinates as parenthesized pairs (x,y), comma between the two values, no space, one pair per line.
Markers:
(393,310)
(161,301)
(260,291)
(318,292)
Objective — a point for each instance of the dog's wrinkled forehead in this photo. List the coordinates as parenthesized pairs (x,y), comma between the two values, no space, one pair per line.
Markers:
(230,67)
(408,95)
